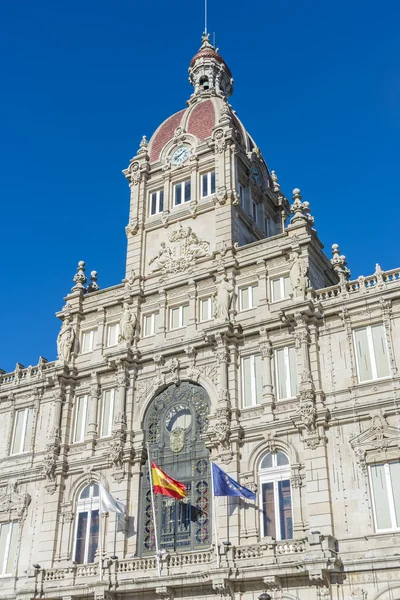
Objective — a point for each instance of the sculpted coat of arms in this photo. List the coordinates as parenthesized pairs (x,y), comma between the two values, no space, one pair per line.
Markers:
(184,248)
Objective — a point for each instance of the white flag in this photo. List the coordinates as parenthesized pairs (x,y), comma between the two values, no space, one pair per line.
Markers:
(110,504)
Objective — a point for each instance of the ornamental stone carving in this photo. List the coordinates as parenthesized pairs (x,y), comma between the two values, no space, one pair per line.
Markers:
(222,300)
(298,276)
(127,325)
(181,255)
(65,340)
(378,438)
(12,504)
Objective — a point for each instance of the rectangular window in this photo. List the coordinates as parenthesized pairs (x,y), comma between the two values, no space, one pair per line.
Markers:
(112,334)
(385,484)
(23,431)
(277,509)
(286,372)
(254,211)
(267,227)
(107,412)
(156,202)
(179,316)
(241,195)
(371,353)
(182,192)
(81,414)
(87,536)
(208,184)
(8,547)
(206,309)
(281,288)
(252,380)
(149,325)
(248,297)
(87,343)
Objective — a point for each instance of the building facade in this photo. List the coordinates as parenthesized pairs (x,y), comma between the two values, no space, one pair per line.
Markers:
(232,338)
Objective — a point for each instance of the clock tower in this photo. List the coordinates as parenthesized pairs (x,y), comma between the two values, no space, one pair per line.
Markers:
(200,184)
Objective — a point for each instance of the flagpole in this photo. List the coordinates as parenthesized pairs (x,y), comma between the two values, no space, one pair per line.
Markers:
(215,519)
(153,505)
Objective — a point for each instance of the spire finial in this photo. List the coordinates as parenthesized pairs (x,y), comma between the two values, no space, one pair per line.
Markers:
(93,285)
(205,17)
(80,278)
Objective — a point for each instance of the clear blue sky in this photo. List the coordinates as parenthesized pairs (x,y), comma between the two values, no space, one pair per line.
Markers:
(317,84)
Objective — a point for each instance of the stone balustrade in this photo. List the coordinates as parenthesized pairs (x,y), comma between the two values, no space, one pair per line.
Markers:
(380,279)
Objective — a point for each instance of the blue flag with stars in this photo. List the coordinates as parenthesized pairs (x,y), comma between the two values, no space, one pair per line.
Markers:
(226,486)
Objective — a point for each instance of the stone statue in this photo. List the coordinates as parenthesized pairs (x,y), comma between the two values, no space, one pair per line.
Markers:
(298,277)
(222,300)
(65,340)
(127,325)
(164,256)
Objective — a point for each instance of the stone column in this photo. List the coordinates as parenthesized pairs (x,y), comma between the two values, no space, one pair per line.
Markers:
(122,382)
(91,431)
(266,357)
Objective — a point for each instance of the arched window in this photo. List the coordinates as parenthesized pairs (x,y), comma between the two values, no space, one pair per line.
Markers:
(275,496)
(87,525)
(204,82)
(173,426)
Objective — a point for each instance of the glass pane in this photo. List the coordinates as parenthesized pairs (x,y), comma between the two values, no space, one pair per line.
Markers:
(4,531)
(380,349)
(185,313)
(285,510)
(79,419)
(85,492)
(12,548)
(254,291)
(81,537)
(107,413)
(395,479)
(175,318)
(148,325)
(293,371)
(18,428)
(363,358)
(281,459)
(205,312)
(112,335)
(244,295)
(154,203)
(258,376)
(187,191)
(93,535)
(204,185)
(95,492)
(212,191)
(287,286)
(247,400)
(280,374)
(178,193)
(29,430)
(161,205)
(276,289)
(254,207)
(380,492)
(268,507)
(266,462)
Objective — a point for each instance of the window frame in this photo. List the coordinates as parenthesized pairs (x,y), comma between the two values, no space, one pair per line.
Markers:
(112,403)
(254,211)
(92,337)
(86,505)
(253,377)
(371,352)
(180,317)
(13,529)
(85,398)
(26,411)
(184,183)
(390,496)
(209,300)
(274,475)
(209,176)
(152,317)
(281,279)
(108,330)
(159,193)
(248,287)
(287,372)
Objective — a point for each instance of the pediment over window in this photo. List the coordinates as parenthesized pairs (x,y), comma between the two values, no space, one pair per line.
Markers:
(13,505)
(380,441)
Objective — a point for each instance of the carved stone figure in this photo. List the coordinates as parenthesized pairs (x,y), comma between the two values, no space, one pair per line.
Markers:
(298,277)
(163,257)
(222,300)
(223,434)
(65,340)
(116,453)
(127,325)
(187,248)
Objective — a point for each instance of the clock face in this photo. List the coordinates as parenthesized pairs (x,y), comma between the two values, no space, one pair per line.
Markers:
(180,155)
(178,416)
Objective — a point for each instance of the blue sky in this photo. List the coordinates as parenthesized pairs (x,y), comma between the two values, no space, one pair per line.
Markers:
(316,83)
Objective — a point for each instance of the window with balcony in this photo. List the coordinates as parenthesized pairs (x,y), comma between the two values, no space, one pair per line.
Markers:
(371,353)
(286,372)
(107,412)
(156,202)
(179,316)
(281,288)
(80,418)
(112,333)
(208,184)
(87,525)
(149,325)
(206,309)
(275,496)
(87,341)
(22,437)
(252,383)
(8,547)
(248,297)
(182,192)
(385,485)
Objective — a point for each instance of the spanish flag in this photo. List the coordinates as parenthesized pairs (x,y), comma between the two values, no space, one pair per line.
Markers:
(164,484)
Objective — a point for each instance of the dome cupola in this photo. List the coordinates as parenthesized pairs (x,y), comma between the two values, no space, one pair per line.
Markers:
(208,72)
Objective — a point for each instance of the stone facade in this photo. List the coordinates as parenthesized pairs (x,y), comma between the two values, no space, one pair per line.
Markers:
(219,288)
